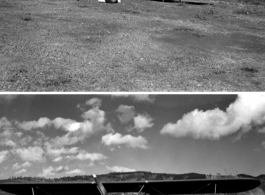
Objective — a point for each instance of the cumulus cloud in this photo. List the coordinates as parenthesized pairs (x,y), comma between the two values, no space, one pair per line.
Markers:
(6,142)
(34,154)
(58,159)
(141,122)
(128,140)
(21,172)
(76,171)
(95,102)
(120,169)
(50,171)
(137,97)
(24,165)
(41,123)
(3,156)
(16,166)
(66,124)
(126,113)
(5,124)
(55,152)
(239,117)
(83,155)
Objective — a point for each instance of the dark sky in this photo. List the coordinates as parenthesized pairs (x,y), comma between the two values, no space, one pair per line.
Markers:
(59,135)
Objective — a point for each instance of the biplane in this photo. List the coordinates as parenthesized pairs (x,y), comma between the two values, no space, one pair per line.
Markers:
(152,187)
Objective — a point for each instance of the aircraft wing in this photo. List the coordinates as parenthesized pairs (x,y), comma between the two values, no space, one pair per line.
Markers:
(159,187)
(190,186)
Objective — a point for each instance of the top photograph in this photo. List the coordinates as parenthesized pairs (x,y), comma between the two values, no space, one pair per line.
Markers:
(132,45)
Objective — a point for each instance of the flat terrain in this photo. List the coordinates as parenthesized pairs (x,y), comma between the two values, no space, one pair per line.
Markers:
(136,45)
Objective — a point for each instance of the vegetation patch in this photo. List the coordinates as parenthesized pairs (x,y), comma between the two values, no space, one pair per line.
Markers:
(249,70)
(251,10)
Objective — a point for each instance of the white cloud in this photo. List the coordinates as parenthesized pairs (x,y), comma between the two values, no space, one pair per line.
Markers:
(86,130)
(7,142)
(76,171)
(34,154)
(58,159)
(26,164)
(67,124)
(3,156)
(21,171)
(52,171)
(126,113)
(5,124)
(137,97)
(95,102)
(240,116)
(41,123)
(83,155)
(95,115)
(25,140)
(16,166)
(128,140)
(55,152)
(141,122)
(120,169)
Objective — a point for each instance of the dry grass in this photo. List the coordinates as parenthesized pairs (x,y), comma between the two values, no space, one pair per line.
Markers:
(66,45)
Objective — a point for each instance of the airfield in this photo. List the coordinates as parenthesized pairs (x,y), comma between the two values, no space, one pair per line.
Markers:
(135,45)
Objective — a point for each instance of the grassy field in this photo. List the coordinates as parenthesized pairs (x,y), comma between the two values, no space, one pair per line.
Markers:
(136,45)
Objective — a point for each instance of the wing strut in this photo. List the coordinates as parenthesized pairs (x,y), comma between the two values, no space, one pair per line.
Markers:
(100,186)
(200,188)
(138,192)
(215,186)
(43,191)
(32,191)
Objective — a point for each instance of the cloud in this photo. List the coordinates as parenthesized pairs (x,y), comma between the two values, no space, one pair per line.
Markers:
(126,113)
(95,115)
(58,159)
(41,123)
(83,155)
(136,97)
(21,171)
(7,98)
(3,155)
(34,154)
(6,142)
(128,140)
(52,171)
(263,144)
(95,102)
(55,152)
(16,166)
(76,171)
(141,122)
(66,124)
(120,169)
(5,124)
(239,117)
(24,165)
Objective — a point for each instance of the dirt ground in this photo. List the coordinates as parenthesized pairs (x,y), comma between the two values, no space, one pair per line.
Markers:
(136,45)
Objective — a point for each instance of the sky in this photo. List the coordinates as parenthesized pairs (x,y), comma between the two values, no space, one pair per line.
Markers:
(65,135)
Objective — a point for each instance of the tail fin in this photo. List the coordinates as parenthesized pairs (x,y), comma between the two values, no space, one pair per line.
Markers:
(100,186)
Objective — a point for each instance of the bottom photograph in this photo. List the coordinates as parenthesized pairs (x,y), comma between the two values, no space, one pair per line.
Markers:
(137,144)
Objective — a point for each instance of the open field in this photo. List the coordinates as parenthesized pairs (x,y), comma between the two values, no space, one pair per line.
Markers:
(137,45)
